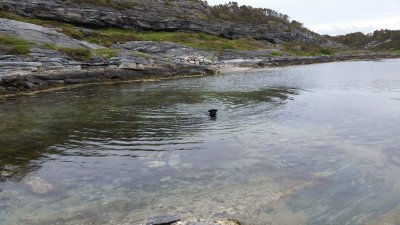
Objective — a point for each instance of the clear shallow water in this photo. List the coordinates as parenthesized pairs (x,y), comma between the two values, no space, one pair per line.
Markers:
(315,144)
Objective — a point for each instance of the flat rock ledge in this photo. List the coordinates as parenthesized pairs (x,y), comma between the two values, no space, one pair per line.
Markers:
(177,220)
(32,77)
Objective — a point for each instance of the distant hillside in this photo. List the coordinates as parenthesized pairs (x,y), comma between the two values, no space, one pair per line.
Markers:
(228,21)
(378,40)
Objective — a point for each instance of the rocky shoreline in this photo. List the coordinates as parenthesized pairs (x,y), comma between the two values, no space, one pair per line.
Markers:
(21,76)
(55,60)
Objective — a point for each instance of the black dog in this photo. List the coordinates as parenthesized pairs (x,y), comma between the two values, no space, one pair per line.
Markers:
(213,113)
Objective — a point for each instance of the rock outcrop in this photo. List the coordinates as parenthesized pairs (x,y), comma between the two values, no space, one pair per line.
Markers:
(172,52)
(158,15)
(46,67)
(39,34)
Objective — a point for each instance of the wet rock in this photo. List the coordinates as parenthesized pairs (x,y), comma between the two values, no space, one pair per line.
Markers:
(73,81)
(205,222)
(162,220)
(228,222)
(3,90)
(39,185)
(28,85)
(12,89)
(199,223)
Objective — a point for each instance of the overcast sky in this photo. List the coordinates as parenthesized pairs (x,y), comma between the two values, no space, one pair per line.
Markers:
(335,16)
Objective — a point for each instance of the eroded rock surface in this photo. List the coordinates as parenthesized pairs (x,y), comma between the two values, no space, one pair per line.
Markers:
(158,15)
(40,34)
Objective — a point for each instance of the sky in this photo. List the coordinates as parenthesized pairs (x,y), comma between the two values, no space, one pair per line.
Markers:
(335,17)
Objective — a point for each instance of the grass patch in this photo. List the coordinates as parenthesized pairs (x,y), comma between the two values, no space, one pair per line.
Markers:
(109,37)
(303,49)
(106,53)
(196,40)
(83,53)
(14,46)
(80,54)
(116,4)
(275,54)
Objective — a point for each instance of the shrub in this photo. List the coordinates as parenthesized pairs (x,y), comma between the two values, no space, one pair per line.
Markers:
(326,51)
(106,53)
(116,4)
(275,54)
(303,49)
(80,54)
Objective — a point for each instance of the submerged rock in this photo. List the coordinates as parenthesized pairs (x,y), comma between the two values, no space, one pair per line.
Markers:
(205,222)
(228,222)
(162,220)
(39,185)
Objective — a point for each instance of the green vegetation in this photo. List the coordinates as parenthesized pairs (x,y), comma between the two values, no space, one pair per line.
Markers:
(275,54)
(116,4)
(233,12)
(110,36)
(303,49)
(106,53)
(80,54)
(14,46)
(378,40)
(196,40)
(83,53)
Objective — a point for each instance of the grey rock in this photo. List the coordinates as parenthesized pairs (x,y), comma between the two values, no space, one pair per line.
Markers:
(172,52)
(20,64)
(128,66)
(3,90)
(28,84)
(162,220)
(40,34)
